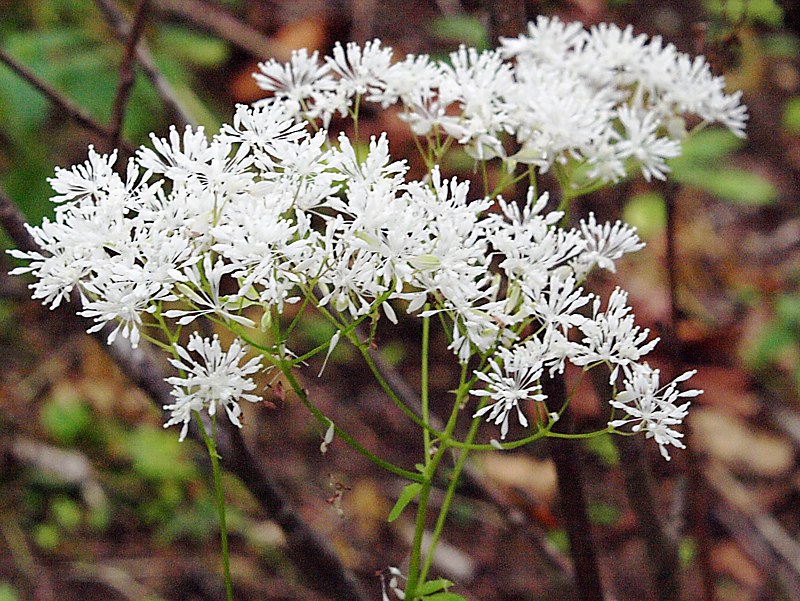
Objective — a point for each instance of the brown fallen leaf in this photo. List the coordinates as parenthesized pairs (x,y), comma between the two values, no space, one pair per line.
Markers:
(737,444)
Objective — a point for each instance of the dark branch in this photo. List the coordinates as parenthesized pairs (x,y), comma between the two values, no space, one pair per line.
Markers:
(572,501)
(126,73)
(213,18)
(122,28)
(62,102)
(697,517)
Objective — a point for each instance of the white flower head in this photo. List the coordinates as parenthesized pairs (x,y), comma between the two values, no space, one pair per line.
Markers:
(516,380)
(652,408)
(213,378)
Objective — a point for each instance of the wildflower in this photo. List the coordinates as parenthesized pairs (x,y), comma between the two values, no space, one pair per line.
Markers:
(652,408)
(215,379)
(517,379)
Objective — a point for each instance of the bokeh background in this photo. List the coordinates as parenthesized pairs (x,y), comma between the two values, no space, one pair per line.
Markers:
(97,501)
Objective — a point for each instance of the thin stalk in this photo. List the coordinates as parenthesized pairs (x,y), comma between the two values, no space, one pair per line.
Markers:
(448,499)
(419,532)
(414,574)
(426,435)
(223,527)
(325,422)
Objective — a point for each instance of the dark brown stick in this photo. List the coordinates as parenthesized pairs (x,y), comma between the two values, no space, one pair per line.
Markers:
(119,23)
(506,19)
(62,102)
(572,500)
(662,550)
(213,18)
(126,74)
(697,517)
(311,554)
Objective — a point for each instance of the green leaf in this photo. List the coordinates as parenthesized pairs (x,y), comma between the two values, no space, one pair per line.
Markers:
(66,513)
(8,592)
(604,448)
(158,456)
(780,45)
(604,514)
(462,29)
(791,116)
(707,145)
(773,341)
(767,12)
(433,586)
(192,47)
(65,417)
(410,491)
(647,212)
(735,185)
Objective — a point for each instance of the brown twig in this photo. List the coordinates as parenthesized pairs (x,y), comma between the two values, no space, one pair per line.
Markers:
(762,536)
(126,73)
(213,18)
(572,501)
(697,492)
(311,554)
(62,102)
(506,19)
(662,550)
(119,23)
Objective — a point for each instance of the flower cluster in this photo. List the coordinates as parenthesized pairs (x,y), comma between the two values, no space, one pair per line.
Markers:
(603,98)
(272,210)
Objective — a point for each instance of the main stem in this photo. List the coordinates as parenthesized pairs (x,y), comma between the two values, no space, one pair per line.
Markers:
(223,526)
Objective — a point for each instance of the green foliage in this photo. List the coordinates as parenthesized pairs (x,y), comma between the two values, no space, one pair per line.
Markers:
(434,586)
(66,512)
(687,551)
(47,536)
(780,45)
(604,514)
(67,44)
(461,29)
(701,165)
(766,12)
(66,418)
(604,448)
(647,212)
(191,47)
(778,344)
(559,539)
(791,116)
(410,492)
(8,592)
(157,456)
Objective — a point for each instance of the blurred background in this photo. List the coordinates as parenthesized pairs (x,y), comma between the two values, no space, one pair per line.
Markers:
(97,501)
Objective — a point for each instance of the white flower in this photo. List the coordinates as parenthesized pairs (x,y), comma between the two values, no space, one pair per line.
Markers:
(612,337)
(605,243)
(91,179)
(517,379)
(652,408)
(294,82)
(360,69)
(642,143)
(215,379)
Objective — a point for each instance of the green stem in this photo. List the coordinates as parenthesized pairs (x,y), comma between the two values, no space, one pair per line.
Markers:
(415,576)
(325,422)
(426,435)
(448,499)
(223,527)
